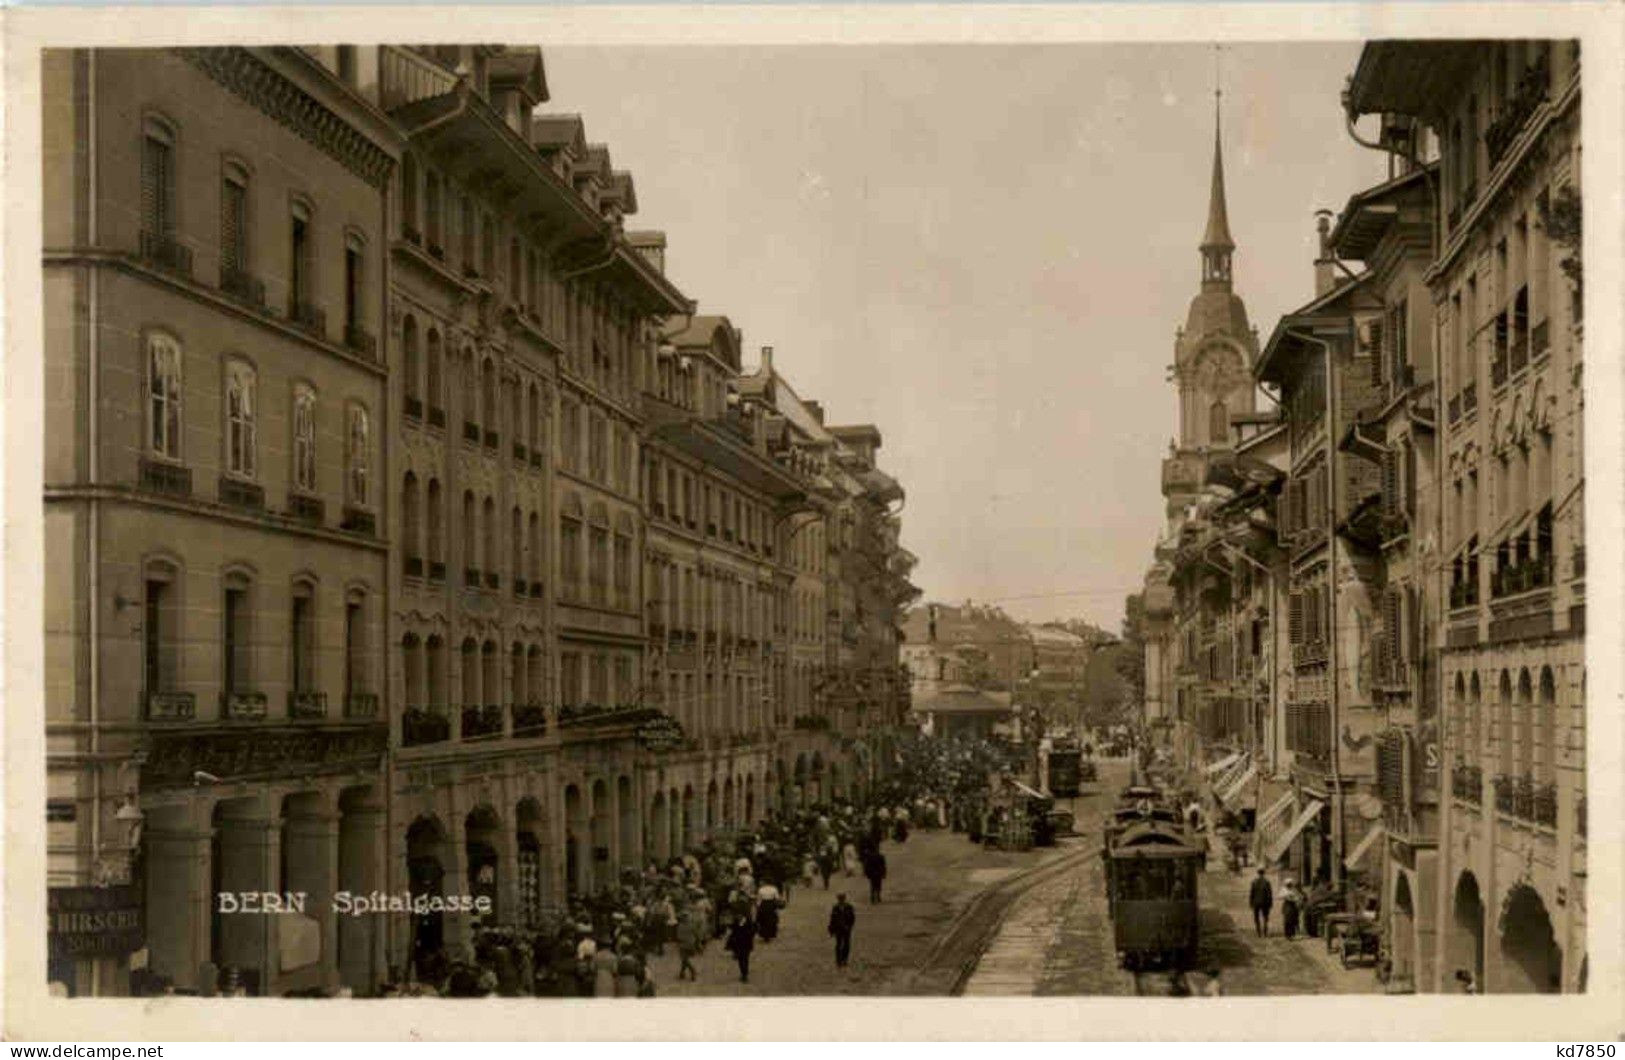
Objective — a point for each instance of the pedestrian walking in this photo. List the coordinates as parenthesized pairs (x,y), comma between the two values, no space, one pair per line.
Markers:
(767,912)
(1260,897)
(874,867)
(1291,906)
(741,940)
(842,918)
(690,940)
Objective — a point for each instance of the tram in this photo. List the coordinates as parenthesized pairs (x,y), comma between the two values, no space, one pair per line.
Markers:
(1151,863)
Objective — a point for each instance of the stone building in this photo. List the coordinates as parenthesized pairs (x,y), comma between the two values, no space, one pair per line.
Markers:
(1505,298)
(216,461)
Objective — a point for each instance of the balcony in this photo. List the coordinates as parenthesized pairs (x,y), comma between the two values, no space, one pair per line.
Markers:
(171,706)
(519,587)
(307,706)
(493,580)
(471,432)
(1514,578)
(1308,654)
(359,521)
(529,720)
(412,234)
(1514,114)
(167,254)
(412,566)
(520,453)
(471,577)
(361,341)
(436,251)
(1578,563)
(536,458)
(236,493)
(491,440)
(1467,782)
(437,417)
(1464,594)
(243,286)
(308,317)
(361,706)
(1522,798)
(160,476)
(309,510)
(242,706)
(536,589)
(424,725)
(482,721)
(1540,340)
(1455,408)
(437,571)
(414,408)
(1469,399)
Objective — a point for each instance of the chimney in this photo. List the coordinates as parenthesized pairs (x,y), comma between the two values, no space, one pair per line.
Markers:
(1325,270)
(817,411)
(767,361)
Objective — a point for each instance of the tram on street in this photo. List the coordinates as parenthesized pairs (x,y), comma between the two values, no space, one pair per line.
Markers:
(1151,863)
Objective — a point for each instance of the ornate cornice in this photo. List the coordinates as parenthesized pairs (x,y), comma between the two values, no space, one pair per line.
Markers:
(245,74)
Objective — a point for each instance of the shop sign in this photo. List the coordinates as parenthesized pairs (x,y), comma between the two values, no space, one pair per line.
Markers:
(95,921)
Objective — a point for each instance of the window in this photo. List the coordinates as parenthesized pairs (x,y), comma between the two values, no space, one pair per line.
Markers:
(410,367)
(470,536)
(409,525)
(488,395)
(158,629)
(299,290)
(435,523)
(304,438)
(358,456)
(432,385)
(570,427)
(535,553)
(164,396)
(489,512)
(353,276)
(233,225)
(355,645)
(432,214)
(1218,424)
(158,180)
(302,638)
(516,545)
(533,422)
(347,63)
(235,654)
(409,197)
(240,401)
(570,553)
(466,233)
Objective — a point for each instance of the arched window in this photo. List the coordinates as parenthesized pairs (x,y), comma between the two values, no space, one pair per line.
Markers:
(241,403)
(432,392)
(1504,749)
(1526,724)
(570,547)
(234,218)
(160,629)
(409,197)
(516,405)
(1218,424)
(355,295)
(436,527)
(516,285)
(489,556)
(236,655)
(436,671)
(412,669)
(358,456)
(471,673)
(302,637)
(488,392)
(533,422)
(516,548)
(535,678)
(535,554)
(304,438)
(1475,718)
(433,223)
(492,675)
(1546,764)
(471,397)
(164,396)
(517,674)
(470,540)
(410,527)
(410,367)
(357,664)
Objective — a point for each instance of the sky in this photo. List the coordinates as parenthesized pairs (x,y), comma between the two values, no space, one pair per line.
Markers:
(985,251)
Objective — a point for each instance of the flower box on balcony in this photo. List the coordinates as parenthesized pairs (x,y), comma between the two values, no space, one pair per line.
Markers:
(307,706)
(245,288)
(414,408)
(491,439)
(471,432)
(414,566)
(166,253)
(359,705)
(308,317)
(237,493)
(529,720)
(424,725)
(242,706)
(160,476)
(359,521)
(171,706)
(471,577)
(437,417)
(307,509)
(437,571)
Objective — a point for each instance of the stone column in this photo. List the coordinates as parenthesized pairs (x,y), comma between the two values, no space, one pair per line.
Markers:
(178,902)
(458,933)
(507,898)
(250,855)
(312,842)
(362,963)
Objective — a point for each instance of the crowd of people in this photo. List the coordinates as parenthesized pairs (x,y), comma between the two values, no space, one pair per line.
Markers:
(726,890)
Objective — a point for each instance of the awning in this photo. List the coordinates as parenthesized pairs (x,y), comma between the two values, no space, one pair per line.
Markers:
(1234,791)
(1285,839)
(1029,792)
(1223,763)
(1365,844)
(1268,817)
(1224,780)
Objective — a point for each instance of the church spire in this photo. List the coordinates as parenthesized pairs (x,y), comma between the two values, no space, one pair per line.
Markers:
(1216,241)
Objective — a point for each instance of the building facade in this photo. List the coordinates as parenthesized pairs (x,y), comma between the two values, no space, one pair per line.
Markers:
(411,532)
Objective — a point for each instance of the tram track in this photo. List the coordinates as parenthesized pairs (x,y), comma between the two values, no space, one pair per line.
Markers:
(953,960)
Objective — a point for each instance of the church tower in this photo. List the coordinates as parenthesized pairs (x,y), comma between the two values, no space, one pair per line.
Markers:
(1214,351)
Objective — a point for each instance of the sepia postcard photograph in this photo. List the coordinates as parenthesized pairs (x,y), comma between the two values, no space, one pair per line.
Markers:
(1083,505)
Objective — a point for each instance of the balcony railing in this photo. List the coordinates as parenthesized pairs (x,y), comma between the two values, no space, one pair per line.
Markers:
(413,566)
(437,570)
(491,439)
(1580,814)
(471,577)
(1514,114)
(361,341)
(1467,782)
(1464,594)
(1540,340)
(1526,800)
(243,286)
(359,521)
(1469,398)
(529,720)
(424,725)
(242,706)
(307,706)
(307,509)
(160,476)
(1514,578)
(236,493)
(493,580)
(437,417)
(164,252)
(171,706)
(520,453)
(481,721)
(308,317)
(536,589)
(1455,407)
(361,705)
(471,432)
(413,408)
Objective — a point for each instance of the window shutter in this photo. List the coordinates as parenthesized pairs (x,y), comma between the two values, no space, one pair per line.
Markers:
(231,225)
(1390,484)
(1295,619)
(1375,338)
(1409,484)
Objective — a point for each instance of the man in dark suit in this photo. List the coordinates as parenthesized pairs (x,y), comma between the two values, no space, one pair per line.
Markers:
(1261,897)
(842,917)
